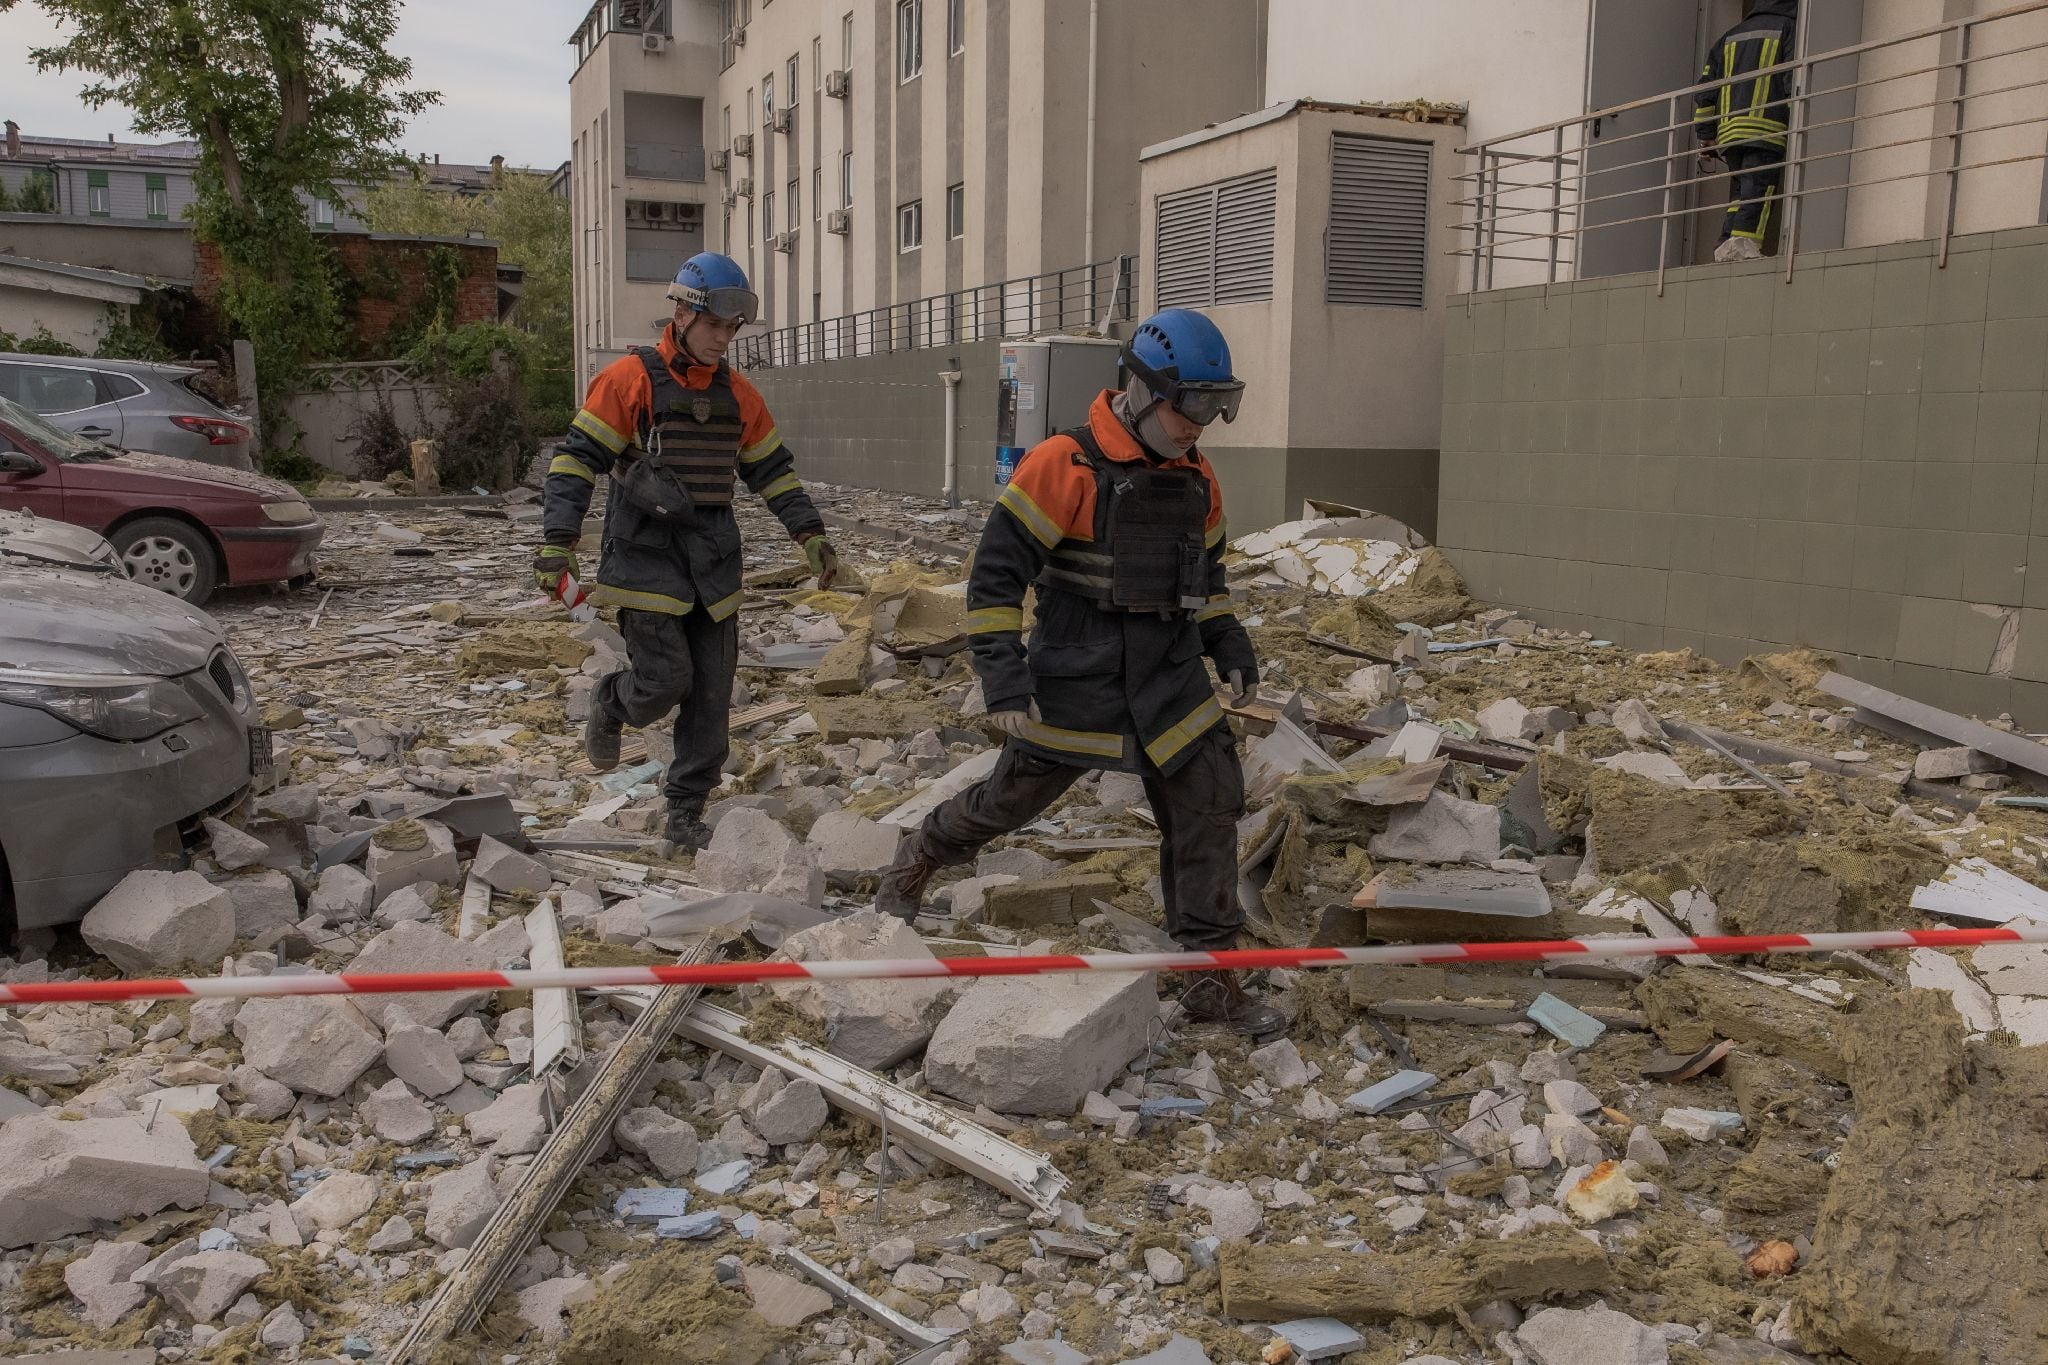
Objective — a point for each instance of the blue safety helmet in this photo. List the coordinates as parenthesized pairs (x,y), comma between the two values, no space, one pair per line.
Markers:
(715,284)
(1185,361)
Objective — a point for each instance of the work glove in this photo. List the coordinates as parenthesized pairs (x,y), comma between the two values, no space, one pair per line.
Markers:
(550,562)
(1012,723)
(824,561)
(1244,687)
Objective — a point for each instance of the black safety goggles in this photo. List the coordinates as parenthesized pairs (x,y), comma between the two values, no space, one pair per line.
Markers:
(735,305)
(1200,401)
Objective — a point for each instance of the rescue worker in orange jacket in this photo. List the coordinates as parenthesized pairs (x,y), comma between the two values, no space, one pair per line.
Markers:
(672,424)
(1118,526)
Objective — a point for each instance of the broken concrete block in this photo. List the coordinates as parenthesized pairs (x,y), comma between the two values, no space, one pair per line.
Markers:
(1280,1065)
(210,1019)
(1942,765)
(334,1202)
(1644,1149)
(266,906)
(1701,1125)
(233,849)
(1164,1267)
(1578,1336)
(1660,768)
(460,1202)
(970,896)
(1443,829)
(423,1058)
(282,1331)
(151,921)
(264,1099)
(873,1024)
(27,1062)
(316,1044)
(668,1143)
(784,1301)
(515,1122)
(99,1280)
(1605,1192)
(851,847)
(1402,1085)
(1569,1097)
(408,905)
(546,1305)
(1935,970)
(395,1114)
(505,869)
(1234,1212)
(203,1285)
(408,851)
(1038,1046)
(1502,721)
(419,948)
(394,1235)
(1572,1142)
(1021,863)
(1638,724)
(794,1113)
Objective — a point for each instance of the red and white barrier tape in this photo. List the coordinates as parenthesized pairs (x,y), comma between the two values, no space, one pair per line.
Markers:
(745,973)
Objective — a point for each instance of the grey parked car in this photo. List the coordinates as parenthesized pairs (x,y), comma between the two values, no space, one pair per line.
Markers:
(130,404)
(124,719)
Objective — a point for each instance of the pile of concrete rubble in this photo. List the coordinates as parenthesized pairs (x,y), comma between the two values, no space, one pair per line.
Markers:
(1703,1160)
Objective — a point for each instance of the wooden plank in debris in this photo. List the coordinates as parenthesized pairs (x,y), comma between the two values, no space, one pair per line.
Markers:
(342,657)
(770,710)
(2017,750)
(1278,1283)
(1464,750)
(475,914)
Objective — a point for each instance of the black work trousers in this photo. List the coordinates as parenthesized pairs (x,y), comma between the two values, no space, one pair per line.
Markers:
(683,662)
(1756,173)
(1198,808)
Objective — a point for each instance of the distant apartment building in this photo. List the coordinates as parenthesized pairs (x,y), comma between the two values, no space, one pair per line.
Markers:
(153,182)
(855,155)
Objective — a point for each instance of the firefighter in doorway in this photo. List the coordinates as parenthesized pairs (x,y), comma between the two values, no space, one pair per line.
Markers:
(1118,525)
(1744,121)
(672,424)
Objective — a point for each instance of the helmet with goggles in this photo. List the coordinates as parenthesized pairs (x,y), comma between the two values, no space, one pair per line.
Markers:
(1183,359)
(715,284)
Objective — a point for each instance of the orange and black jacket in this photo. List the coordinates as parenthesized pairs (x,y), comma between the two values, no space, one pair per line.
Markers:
(1113,687)
(648,565)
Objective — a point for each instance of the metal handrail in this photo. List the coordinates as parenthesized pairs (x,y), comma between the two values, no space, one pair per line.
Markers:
(1510,202)
(1082,298)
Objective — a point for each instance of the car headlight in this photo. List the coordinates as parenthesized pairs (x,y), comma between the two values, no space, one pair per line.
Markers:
(288,513)
(110,707)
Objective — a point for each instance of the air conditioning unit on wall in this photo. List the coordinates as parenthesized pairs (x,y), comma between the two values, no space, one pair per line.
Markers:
(839,221)
(837,83)
(653,42)
(783,120)
(738,37)
(743,144)
(785,242)
(720,159)
(745,189)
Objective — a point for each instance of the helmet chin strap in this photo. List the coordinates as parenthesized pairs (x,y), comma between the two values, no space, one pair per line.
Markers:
(683,340)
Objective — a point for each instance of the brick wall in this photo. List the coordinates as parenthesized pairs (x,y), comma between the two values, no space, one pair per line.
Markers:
(1851,460)
(390,274)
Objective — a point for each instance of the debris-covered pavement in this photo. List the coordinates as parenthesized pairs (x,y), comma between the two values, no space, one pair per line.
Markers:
(1629,1161)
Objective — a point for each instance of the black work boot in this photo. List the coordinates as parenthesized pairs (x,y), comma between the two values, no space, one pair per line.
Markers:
(601,733)
(902,891)
(1220,1000)
(686,828)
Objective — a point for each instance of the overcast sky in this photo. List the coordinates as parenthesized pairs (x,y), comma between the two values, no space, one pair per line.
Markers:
(502,68)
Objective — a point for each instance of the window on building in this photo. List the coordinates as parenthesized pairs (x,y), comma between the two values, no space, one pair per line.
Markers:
(794,85)
(817,193)
(846,42)
(817,63)
(1214,244)
(846,180)
(323,214)
(768,98)
(796,203)
(956,211)
(156,197)
(767,215)
(956,26)
(910,225)
(909,39)
(1377,248)
(99,201)
(725,127)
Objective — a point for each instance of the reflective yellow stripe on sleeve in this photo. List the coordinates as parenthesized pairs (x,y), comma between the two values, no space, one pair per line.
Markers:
(788,483)
(1196,724)
(725,606)
(992,620)
(1093,743)
(1218,606)
(1215,536)
(565,463)
(1020,506)
(604,595)
(763,448)
(598,430)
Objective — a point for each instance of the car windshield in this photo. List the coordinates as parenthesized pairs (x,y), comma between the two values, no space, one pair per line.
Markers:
(68,446)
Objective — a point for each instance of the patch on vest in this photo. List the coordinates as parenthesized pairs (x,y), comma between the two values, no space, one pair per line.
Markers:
(701,409)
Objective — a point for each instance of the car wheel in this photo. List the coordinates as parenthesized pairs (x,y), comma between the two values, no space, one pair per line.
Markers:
(169,555)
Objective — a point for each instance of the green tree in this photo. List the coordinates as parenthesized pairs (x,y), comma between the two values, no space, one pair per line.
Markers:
(284,97)
(36,194)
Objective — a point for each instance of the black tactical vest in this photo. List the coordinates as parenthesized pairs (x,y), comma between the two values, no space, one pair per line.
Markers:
(695,432)
(1150,527)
